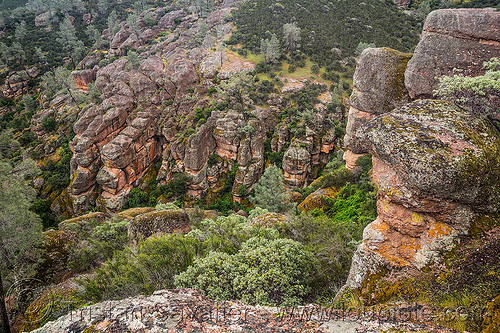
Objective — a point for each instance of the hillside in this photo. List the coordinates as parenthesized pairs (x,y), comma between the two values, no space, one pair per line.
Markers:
(329,30)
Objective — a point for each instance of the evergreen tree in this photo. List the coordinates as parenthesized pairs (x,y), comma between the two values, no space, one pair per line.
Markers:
(40,55)
(133,60)
(270,49)
(20,230)
(103,6)
(20,32)
(73,47)
(236,89)
(201,32)
(291,33)
(17,52)
(93,34)
(133,23)
(113,26)
(270,192)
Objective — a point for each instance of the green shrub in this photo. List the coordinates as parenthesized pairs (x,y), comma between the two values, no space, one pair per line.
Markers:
(266,272)
(152,266)
(166,206)
(212,159)
(97,243)
(480,94)
(49,124)
(136,198)
(213,274)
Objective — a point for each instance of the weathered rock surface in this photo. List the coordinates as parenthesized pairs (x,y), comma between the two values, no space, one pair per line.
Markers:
(452,38)
(316,200)
(435,165)
(166,221)
(187,310)
(149,119)
(378,87)
(437,150)
(379,80)
(17,82)
(269,220)
(431,164)
(83,78)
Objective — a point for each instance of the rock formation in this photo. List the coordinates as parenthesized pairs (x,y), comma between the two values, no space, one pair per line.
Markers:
(435,165)
(187,310)
(166,221)
(452,38)
(150,116)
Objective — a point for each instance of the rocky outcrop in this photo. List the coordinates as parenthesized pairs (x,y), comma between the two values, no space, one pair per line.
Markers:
(431,164)
(452,38)
(17,82)
(316,200)
(188,310)
(165,221)
(434,163)
(156,119)
(83,78)
(269,220)
(378,87)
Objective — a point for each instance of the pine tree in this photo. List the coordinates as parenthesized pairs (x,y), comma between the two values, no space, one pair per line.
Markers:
(201,32)
(74,48)
(20,32)
(270,49)
(93,34)
(270,192)
(291,33)
(113,26)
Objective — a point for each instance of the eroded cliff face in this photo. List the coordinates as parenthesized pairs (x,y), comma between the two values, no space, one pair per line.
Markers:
(435,165)
(148,117)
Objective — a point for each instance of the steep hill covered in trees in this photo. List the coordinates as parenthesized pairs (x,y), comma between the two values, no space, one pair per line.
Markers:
(329,29)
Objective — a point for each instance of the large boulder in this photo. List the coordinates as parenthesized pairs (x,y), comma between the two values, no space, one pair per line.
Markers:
(452,38)
(296,164)
(166,221)
(379,80)
(438,150)
(317,199)
(378,88)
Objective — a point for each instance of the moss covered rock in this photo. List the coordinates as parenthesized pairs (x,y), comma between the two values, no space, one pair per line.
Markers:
(378,87)
(165,221)
(269,219)
(316,200)
(438,150)
(98,217)
(491,322)
(131,213)
(379,80)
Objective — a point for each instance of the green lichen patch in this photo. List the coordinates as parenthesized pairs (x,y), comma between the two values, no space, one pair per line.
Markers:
(439,149)
(166,221)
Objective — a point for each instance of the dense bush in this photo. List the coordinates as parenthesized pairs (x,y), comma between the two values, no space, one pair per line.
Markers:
(266,272)
(97,245)
(150,267)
